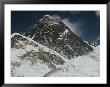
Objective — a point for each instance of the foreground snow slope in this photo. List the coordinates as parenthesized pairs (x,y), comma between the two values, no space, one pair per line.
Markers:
(23,54)
(87,65)
(82,66)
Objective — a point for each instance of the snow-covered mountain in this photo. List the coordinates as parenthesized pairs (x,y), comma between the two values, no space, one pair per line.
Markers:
(27,49)
(50,48)
(54,34)
(31,59)
(82,66)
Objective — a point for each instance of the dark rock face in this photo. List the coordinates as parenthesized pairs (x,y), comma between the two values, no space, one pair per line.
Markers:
(53,33)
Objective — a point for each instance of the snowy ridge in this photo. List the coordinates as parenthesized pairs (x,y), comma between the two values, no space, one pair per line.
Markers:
(51,17)
(20,67)
(15,34)
(89,44)
(50,49)
(23,68)
(49,20)
(44,47)
(81,66)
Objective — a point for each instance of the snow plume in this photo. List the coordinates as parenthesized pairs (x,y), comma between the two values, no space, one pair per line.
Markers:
(98,38)
(57,16)
(74,26)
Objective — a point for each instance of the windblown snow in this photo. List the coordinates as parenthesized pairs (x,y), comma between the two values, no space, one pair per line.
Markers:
(81,66)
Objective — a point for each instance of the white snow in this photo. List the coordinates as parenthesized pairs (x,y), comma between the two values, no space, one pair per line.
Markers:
(54,20)
(33,36)
(28,70)
(82,66)
(65,32)
(15,34)
(44,48)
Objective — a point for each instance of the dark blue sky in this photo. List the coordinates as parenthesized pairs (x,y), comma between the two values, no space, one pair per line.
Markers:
(86,24)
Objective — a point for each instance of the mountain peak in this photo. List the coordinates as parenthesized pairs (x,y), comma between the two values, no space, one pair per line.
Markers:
(47,16)
(54,34)
(50,17)
(51,20)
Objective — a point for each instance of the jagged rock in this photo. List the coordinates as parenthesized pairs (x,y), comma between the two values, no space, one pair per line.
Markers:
(96,43)
(53,33)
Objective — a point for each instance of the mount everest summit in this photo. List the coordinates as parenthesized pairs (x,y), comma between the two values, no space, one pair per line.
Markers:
(50,48)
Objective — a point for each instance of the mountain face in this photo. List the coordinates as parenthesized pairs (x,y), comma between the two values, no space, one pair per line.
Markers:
(31,59)
(50,48)
(27,49)
(54,34)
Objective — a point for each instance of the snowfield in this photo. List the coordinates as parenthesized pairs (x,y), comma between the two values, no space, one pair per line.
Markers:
(82,66)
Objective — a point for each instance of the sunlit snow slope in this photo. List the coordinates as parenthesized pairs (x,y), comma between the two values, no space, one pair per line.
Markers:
(24,49)
(82,66)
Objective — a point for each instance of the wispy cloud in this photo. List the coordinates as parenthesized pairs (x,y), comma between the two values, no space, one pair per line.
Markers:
(98,38)
(57,16)
(73,26)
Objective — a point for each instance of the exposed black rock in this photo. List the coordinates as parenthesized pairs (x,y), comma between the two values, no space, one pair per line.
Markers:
(53,33)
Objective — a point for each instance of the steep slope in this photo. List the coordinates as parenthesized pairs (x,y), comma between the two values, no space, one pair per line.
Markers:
(25,63)
(25,49)
(44,49)
(53,33)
